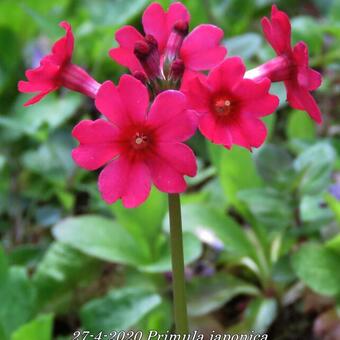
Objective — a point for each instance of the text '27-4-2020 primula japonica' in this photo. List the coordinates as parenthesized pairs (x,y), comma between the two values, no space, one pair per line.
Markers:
(180,82)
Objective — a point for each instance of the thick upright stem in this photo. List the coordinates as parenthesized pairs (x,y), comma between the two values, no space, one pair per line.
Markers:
(179,293)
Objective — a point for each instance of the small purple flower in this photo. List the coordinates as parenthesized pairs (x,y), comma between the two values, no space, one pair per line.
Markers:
(334,190)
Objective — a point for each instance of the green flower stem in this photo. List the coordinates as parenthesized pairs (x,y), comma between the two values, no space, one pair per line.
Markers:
(177,257)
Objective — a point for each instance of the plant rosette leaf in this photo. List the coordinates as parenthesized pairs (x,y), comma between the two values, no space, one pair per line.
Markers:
(315,165)
(61,271)
(38,329)
(120,309)
(102,238)
(317,266)
(107,240)
(208,294)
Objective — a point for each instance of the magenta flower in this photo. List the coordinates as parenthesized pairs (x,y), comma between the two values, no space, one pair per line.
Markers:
(140,147)
(291,65)
(166,51)
(56,70)
(230,106)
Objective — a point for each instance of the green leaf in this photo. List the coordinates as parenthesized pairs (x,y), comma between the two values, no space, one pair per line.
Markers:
(318,267)
(263,311)
(334,205)
(192,251)
(37,329)
(279,90)
(25,255)
(112,13)
(334,11)
(52,112)
(236,171)
(144,222)
(259,315)
(102,238)
(233,16)
(17,296)
(120,309)
(312,209)
(300,126)
(334,244)
(159,319)
(273,163)
(3,266)
(53,158)
(9,57)
(315,165)
(307,29)
(270,122)
(208,294)
(62,270)
(215,228)
(245,45)
(269,206)
(198,16)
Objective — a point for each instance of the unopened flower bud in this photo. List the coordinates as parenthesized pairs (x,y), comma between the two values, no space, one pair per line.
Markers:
(148,55)
(142,49)
(140,76)
(181,27)
(177,70)
(175,41)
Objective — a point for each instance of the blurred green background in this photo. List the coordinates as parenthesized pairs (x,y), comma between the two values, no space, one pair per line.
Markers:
(262,241)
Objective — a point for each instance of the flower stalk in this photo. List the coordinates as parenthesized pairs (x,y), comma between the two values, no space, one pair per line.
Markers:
(177,257)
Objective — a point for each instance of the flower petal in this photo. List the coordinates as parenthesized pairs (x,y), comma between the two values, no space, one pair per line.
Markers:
(201,49)
(135,97)
(126,58)
(300,99)
(125,104)
(98,143)
(278,31)
(127,180)
(314,79)
(63,48)
(247,131)
(227,75)
(164,175)
(127,36)
(255,98)
(214,129)
(180,156)
(154,23)
(306,77)
(159,23)
(198,94)
(109,103)
(170,117)
(189,75)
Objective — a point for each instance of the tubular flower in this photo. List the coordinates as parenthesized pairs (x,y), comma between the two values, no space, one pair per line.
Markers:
(230,106)
(138,147)
(56,70)
(291,65)
(167,52)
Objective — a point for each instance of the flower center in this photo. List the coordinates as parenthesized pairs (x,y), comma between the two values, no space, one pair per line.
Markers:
(222,107)
(140,141)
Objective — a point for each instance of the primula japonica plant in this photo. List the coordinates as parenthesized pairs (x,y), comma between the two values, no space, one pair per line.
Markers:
(150,114)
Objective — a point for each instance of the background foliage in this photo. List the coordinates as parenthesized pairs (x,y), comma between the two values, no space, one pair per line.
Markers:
(262,238)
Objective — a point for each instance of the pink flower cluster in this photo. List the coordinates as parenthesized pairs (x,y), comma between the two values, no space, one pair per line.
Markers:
(151,113)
